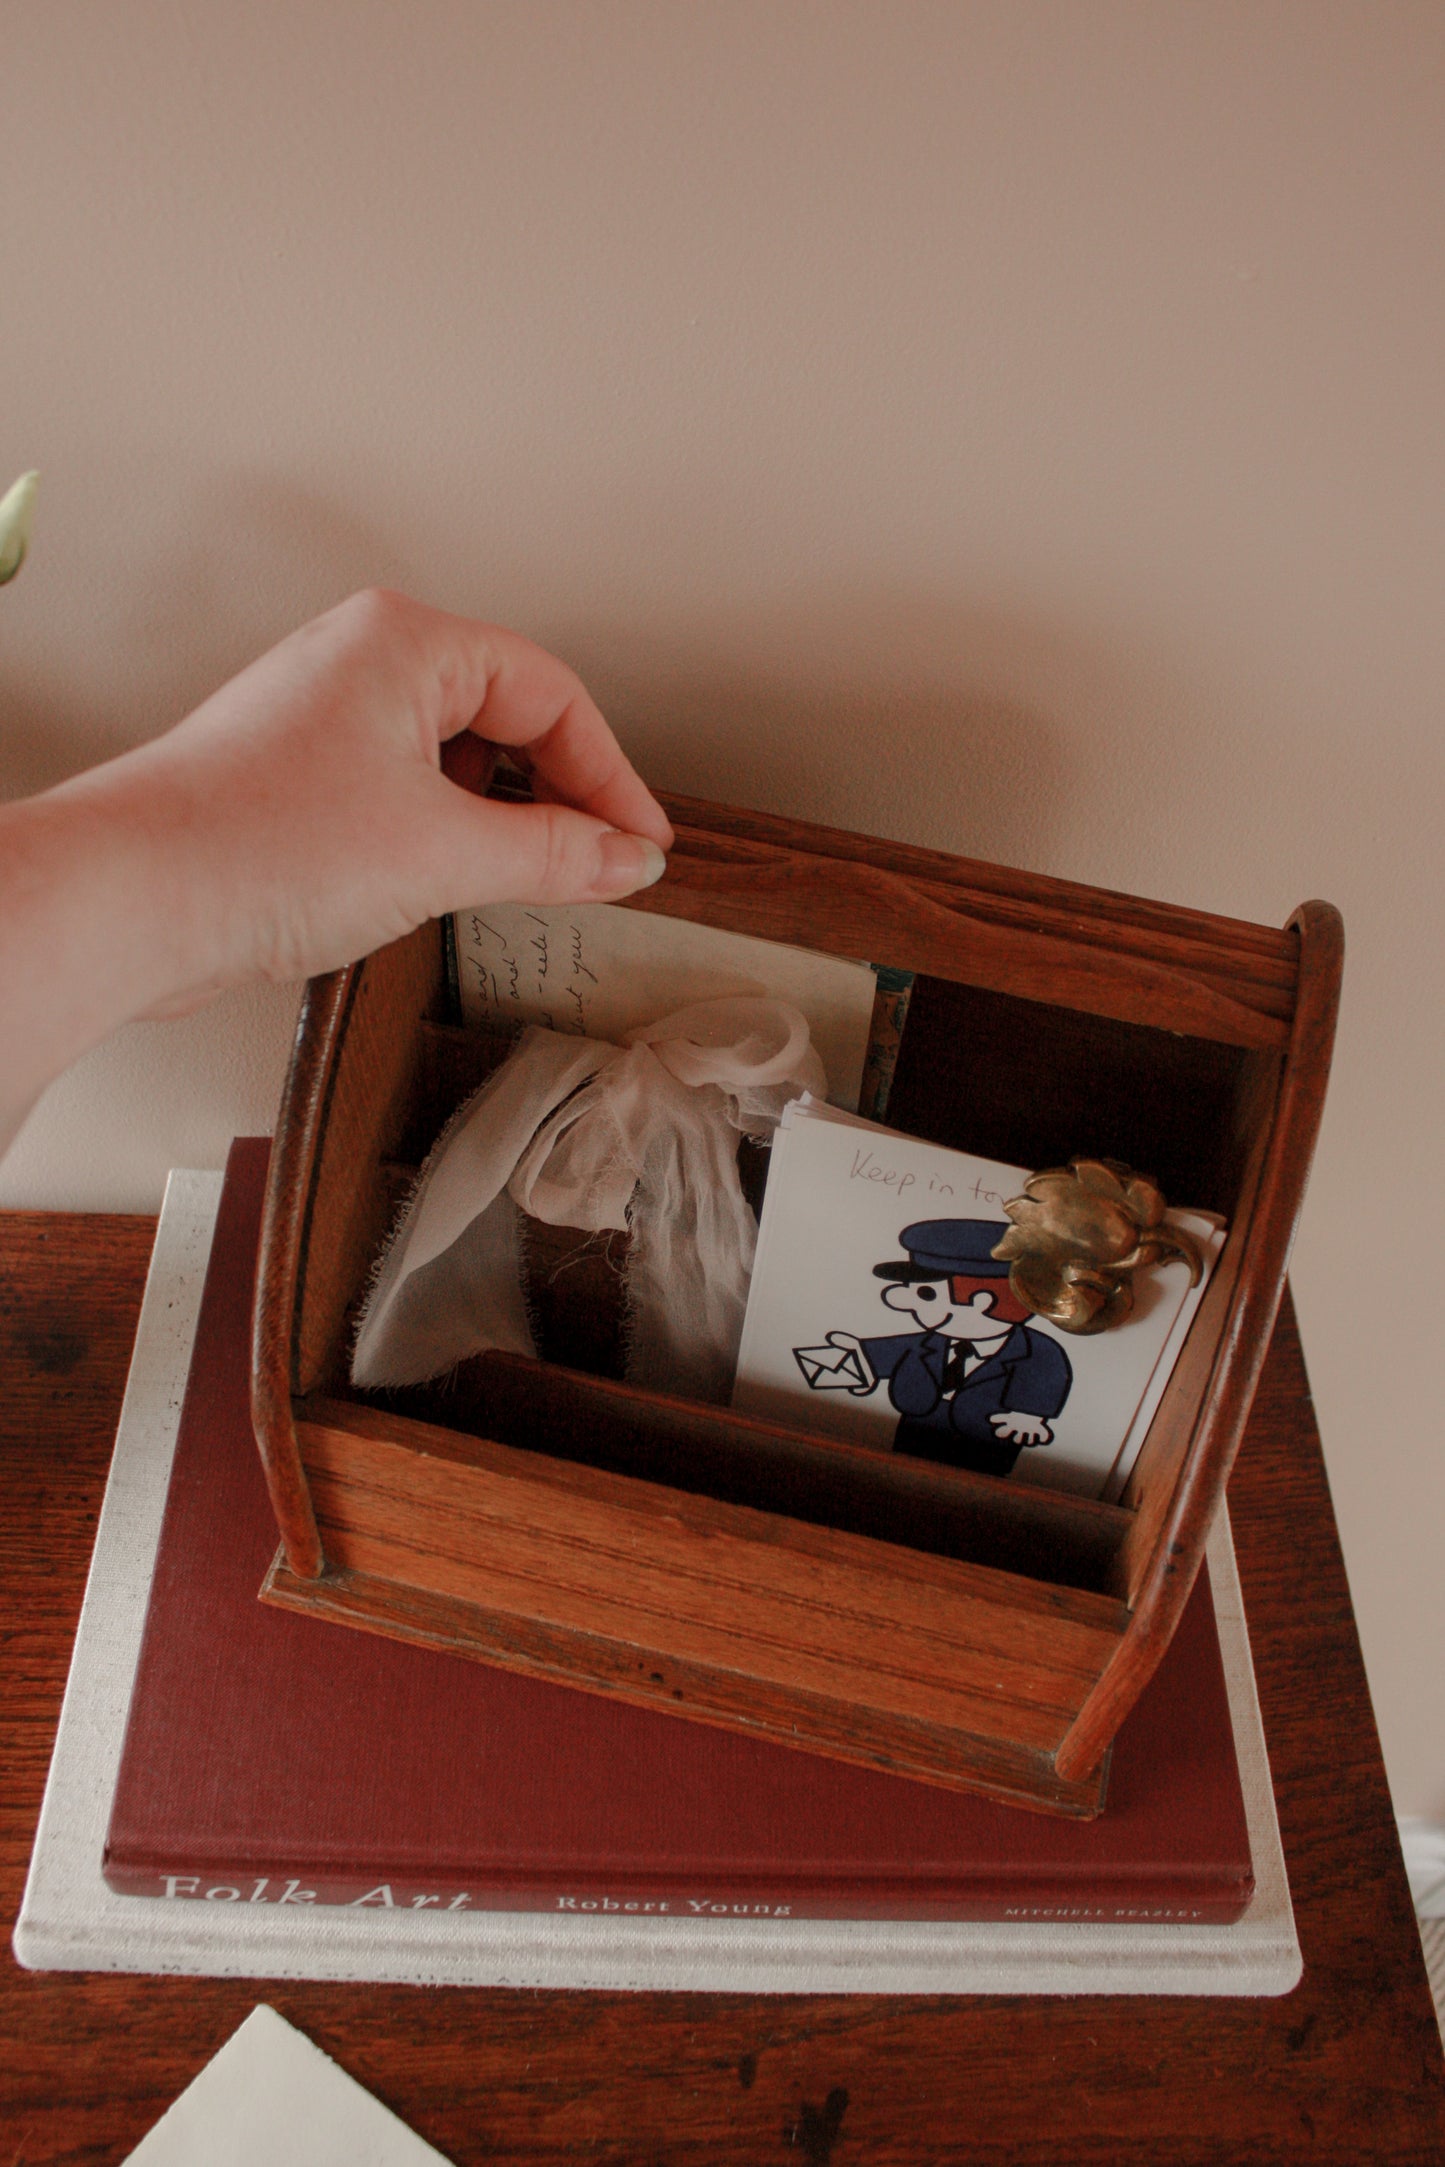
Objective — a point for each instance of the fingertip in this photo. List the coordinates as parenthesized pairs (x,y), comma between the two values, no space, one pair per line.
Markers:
(538,853)
(627,804)
(626,863)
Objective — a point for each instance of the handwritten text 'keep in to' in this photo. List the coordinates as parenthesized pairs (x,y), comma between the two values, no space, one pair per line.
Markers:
(867,1166)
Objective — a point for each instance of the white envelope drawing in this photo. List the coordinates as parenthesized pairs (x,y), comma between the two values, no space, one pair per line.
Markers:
(832,1369)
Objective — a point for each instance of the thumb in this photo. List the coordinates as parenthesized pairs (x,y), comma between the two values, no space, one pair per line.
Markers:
(492,852)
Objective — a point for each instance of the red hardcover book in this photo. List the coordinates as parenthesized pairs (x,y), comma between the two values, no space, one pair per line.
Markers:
(271,1758)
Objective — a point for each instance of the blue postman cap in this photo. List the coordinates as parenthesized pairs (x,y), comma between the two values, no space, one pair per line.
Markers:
(941,1248)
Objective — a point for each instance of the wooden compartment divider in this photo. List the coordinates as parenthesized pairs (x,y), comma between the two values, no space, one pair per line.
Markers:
(548,1517)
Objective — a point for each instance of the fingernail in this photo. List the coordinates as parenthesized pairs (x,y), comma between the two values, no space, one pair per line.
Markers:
(627,862)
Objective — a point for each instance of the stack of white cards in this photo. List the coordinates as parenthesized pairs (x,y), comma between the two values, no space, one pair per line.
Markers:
(827,1337)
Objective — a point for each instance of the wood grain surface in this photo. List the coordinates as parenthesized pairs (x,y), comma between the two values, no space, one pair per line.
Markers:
(1118,980)
(1345,2071)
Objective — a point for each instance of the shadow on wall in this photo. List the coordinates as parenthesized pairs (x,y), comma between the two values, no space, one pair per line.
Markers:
(927,721)
(1105,755)
(969,774)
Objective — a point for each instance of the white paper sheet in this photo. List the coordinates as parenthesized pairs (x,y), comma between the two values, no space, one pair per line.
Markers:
(270,2098)
(597,971)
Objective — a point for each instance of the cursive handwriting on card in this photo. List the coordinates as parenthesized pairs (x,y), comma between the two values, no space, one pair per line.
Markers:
(598,970)
(523,967)
(867,1166)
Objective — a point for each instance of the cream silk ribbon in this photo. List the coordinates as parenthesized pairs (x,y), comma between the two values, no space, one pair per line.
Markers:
(639,1137)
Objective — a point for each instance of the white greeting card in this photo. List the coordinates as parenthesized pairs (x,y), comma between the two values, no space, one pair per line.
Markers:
(597,971)
(269,2098)
(877,1314)
(1209,1231)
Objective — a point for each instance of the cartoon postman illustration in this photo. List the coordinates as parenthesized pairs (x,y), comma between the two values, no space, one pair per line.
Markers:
(974,1382)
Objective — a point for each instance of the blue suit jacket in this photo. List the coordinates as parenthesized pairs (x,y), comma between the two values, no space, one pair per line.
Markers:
(1029,1375)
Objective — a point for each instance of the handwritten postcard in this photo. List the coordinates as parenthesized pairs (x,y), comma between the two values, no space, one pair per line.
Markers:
(878,1314)
(597,971)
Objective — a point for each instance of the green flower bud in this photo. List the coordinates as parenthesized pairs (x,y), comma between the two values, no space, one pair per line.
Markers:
(17,509)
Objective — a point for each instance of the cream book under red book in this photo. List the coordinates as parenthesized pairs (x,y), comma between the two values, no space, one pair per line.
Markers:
(271,1759)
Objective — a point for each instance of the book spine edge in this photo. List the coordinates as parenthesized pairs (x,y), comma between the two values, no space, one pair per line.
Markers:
(1137,1907)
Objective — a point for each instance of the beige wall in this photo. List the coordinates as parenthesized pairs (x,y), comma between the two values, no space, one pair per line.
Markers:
(1012,427)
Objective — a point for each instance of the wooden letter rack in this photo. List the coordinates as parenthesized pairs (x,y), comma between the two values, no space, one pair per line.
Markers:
(542,1515)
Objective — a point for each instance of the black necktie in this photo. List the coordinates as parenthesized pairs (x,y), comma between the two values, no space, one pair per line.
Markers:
(959,1351)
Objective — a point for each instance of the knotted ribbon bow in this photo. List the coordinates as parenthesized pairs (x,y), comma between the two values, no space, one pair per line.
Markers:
(639,1137)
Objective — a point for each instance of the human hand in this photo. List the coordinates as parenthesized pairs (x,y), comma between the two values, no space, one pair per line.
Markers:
(300,817)
(1020,1429)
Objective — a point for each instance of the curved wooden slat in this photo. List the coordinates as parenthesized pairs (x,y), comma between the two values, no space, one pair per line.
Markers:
(1167,1546)
(863,910)
(290,1199)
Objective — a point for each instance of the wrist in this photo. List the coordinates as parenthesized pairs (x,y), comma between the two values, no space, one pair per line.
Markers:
(86,941)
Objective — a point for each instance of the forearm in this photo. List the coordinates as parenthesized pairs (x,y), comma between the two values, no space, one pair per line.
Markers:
(84,939)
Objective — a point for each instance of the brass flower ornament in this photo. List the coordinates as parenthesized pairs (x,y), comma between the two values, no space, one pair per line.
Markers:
(1079,1234)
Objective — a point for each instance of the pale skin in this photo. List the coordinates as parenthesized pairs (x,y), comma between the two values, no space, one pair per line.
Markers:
(300,818)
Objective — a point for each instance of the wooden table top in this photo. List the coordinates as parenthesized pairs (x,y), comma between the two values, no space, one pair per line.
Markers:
(1347,2069)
